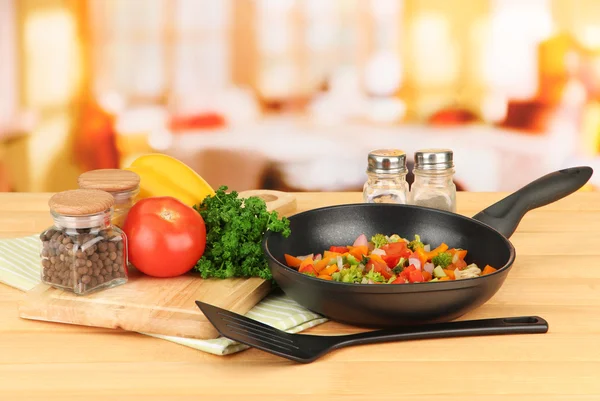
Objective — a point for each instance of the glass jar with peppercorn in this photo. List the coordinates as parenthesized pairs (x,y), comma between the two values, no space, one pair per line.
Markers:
(123,185)
(83,252)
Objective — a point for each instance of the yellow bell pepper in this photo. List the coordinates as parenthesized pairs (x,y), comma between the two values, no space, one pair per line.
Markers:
(163,175)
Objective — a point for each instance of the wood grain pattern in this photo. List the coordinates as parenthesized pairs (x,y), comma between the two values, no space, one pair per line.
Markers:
(151,305)
(48,361)
(111,180)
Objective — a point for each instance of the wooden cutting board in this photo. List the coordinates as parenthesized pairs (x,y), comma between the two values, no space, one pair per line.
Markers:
(163,306)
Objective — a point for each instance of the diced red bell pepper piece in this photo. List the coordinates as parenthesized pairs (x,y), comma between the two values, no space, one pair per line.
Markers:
(338,249)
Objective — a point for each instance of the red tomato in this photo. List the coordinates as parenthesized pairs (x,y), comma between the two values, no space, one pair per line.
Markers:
(379,267)
(165,237)
(399,280)
(391,260)
(460,264)
(338,249)
(415,276)
(397,249)
(406,272)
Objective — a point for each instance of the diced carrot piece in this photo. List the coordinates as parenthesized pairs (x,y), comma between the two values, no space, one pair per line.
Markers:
(329,254)
(422,255)
(450,273)
(325,277)
(307,269)
(292,261)
(377,258)
(445,279)
(306,262)
(329,270)
(487,270)
(426,275)
(462,253)
(359,251)
(321,264)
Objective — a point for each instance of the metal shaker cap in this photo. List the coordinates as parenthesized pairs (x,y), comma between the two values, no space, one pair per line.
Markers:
(434,159)
(387,161)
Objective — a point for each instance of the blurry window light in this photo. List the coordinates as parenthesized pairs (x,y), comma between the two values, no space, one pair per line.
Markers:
(278,79)
(434,53)
(192,15)
(510,56)
(494,108)
(131,46)
(272,25)
(383,74)
(589,36)
(386,9)
(53,69)
(8,69)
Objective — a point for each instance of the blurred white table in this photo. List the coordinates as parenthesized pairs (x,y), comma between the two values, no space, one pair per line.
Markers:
(332,158)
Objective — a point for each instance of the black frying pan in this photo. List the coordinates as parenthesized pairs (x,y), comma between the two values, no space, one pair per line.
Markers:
(485,236)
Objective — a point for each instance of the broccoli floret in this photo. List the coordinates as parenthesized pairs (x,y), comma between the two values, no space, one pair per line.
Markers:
(394,238)
(416,243)
(349,259)
(442,259)
(350,275)
(375,276)
(379,240)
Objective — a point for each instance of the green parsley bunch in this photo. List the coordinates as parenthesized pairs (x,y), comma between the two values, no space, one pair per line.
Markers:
(235,228)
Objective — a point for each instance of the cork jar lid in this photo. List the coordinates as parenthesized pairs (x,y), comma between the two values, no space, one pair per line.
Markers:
(110,180)
(81,202)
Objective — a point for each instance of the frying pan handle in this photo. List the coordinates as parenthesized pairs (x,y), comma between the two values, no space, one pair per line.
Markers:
(465,328)
(506,214)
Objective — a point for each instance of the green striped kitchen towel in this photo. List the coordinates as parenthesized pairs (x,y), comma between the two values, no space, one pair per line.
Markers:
(20,268)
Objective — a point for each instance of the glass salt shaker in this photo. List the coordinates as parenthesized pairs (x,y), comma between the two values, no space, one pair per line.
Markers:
(433,185)
(386,181)
(123,185)
(83,252)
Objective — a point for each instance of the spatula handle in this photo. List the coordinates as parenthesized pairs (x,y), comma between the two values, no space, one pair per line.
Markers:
(465,328)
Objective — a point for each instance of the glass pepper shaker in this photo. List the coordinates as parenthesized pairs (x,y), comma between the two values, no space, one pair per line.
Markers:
(123,185)
(83,252)
(433,185)
(386,182)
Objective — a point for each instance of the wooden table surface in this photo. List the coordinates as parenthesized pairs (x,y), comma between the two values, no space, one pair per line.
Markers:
(556,275)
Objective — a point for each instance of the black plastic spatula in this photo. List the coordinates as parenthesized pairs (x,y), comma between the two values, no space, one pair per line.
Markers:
(306,348)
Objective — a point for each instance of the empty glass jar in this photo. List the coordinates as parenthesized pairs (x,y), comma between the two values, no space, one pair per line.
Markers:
(386,182)
(83,252)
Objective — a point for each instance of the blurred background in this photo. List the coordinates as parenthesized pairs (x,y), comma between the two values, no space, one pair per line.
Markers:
(293,94)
